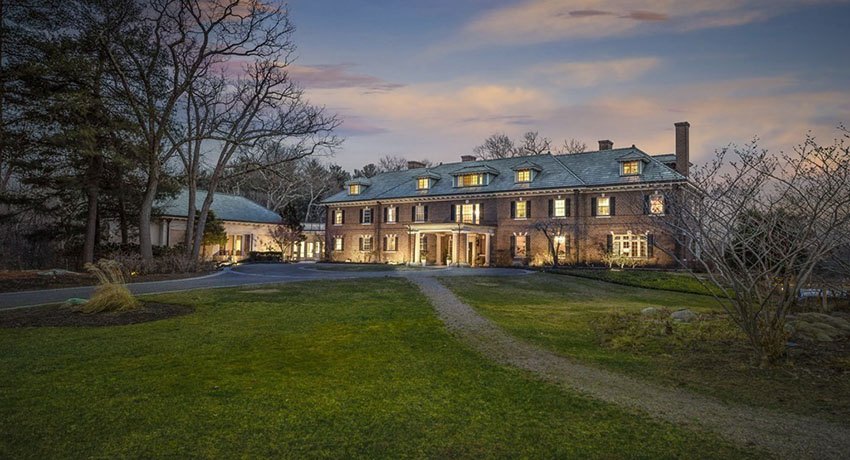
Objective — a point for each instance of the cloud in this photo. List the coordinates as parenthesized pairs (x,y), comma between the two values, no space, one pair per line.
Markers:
(540,21)
(596,73)
(338,76)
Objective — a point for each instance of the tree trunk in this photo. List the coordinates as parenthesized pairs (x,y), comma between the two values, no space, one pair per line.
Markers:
(145,245)
(189,238)
(92,195)
(122,218)
(202,219)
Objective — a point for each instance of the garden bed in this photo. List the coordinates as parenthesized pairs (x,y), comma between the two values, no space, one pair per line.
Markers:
(59,316)
(31,280)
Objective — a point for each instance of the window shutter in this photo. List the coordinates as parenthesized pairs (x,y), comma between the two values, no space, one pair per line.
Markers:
(385,243)
(609,245)
(528,246)
(646,204)
(453,211)
(342,211)
(613,206)
(361,219)
(551,207)
(413,213)
(664,204)
(566,207)
(513,209)
(342,243)
(513,246)
(426,213)
(593,207)
(528,209)
(361,243)
(650,244)
(385,214)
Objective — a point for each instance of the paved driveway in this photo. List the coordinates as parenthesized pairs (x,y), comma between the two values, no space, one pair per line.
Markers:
(241,275)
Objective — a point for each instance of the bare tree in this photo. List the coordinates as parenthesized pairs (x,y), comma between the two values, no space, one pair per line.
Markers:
(572,145)
(162,49)
(392,163)
(557,232)
(533,144)
(496,146)
(759,225)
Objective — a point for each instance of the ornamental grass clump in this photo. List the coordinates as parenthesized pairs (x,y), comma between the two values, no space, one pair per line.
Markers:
(112,293)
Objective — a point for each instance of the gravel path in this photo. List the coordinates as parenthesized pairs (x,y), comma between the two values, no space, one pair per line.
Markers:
(784,435)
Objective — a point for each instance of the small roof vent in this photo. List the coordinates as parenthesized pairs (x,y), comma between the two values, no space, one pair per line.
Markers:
(465,158)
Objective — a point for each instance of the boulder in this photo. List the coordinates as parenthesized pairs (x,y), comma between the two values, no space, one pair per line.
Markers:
(74,302)
(683,316)
(650,311)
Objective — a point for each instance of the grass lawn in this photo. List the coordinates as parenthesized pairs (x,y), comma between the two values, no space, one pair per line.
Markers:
(593,321)
(652,279)
(356,368)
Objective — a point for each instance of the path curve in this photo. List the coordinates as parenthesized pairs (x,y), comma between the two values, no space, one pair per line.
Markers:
(784,435)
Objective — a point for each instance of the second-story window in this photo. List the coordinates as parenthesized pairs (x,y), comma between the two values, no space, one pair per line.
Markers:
(469,213)
(520,210)
(366,216)
(559,207)
(655,204)
(391,215)
(420,213)
(603,206)
(339,217)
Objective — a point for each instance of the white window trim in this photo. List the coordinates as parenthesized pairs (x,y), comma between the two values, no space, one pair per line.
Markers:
(338,212)
(641,238)
(341,245)
(555,207)
(371,217)
(603,216)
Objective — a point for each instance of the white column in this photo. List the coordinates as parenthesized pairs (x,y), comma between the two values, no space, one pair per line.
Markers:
(474,250)
(455,240)
(486,249)
(416,247)
(439,249)
(162,230)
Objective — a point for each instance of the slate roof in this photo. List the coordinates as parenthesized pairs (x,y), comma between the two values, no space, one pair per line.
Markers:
(590,169)
(226,207)
(666,158)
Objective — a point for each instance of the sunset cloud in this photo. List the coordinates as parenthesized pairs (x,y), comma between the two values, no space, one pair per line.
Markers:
(337,76)
(596,73)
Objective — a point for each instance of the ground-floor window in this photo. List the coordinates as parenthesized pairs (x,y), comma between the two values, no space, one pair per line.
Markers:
(519,245)
(366,243)
(338,242)
(629,245)
(561,248)
(391,243)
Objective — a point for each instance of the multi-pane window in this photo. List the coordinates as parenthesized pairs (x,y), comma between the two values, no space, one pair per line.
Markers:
(337,243)
(631,168)
(603,206)
(470,180)
(468,213)
(366,216)
(338,217)
(521,210)
(354,189)
(523,175)
(559,208)
(520,246)
(391,214)
(366,243)
(419,213)
(391,243)
(560,242)
(423,183)
(656,204)
(629,245)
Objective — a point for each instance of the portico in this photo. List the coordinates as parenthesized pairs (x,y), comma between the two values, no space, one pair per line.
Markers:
(451,244)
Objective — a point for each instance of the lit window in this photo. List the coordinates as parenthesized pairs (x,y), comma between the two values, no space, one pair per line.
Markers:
(631,168)
(559,208)
(354,189)
(419,213)
(520,246)
(521,210)
(390,243)
(392,215)
(629,245)
(656,204)
(470,180)
(560,242)
(337,243)
(423,183)
(603,206)
(366,216)
(468,213)
(338,217)
(523,175)
(366,243)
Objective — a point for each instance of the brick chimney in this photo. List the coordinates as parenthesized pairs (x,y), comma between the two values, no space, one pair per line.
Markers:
(415,164)
(465,158)
(606,145)
(683,147)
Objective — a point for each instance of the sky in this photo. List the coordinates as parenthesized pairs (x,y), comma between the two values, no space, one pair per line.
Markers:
(431,79)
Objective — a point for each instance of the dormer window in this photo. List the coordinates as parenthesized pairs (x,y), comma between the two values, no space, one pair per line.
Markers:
(423,183)
(471,180)
(354,189)
(630,168)
(523,175)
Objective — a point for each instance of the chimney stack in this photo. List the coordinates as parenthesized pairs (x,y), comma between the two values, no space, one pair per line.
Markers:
(465,158)
(683,147)
(415,164)
(606,145)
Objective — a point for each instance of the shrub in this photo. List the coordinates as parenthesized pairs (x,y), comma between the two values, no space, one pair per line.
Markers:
(112,293)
